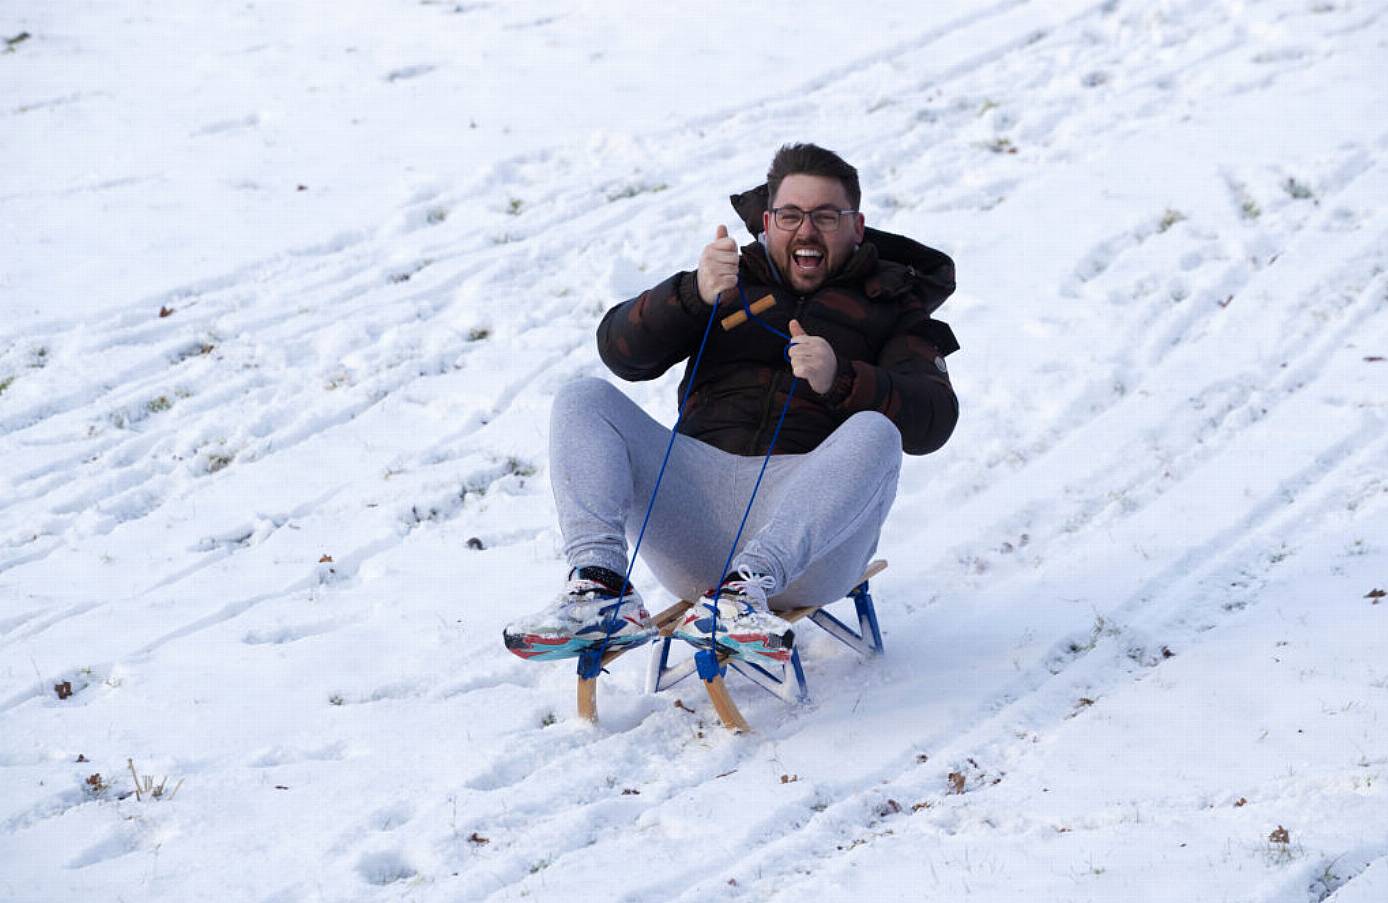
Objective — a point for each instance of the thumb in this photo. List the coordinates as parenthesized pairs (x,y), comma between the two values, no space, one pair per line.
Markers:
(722,233)
(796,330)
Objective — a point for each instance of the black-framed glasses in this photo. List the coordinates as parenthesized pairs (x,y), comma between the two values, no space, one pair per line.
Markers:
(825,219)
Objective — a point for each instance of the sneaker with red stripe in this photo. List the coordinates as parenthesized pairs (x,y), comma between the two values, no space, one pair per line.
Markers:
(744,627)
(591,613)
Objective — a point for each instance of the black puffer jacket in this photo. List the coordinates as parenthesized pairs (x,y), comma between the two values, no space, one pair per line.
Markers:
(875,314)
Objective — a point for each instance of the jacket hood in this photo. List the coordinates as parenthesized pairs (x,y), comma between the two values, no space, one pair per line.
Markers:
(931,270)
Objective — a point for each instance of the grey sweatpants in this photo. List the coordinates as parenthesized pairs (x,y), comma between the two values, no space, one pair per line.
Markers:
(813,528)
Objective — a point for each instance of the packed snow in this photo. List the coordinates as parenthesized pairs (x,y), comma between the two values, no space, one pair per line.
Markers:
(288,287)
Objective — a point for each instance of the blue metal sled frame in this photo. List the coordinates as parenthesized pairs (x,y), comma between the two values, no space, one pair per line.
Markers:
(789,683)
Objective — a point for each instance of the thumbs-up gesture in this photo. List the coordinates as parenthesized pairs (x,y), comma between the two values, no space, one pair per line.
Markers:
(811,358)
(717,266)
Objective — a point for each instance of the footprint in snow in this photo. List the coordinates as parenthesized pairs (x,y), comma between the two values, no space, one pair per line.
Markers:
(119,843)
(385,867)
(289,633)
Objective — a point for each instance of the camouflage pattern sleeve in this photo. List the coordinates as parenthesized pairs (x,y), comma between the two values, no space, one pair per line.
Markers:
(641,338)
(909,382)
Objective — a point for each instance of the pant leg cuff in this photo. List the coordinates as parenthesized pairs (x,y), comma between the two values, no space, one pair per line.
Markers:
(616,563)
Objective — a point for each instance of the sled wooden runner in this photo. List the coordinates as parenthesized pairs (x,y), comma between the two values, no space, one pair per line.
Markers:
(588,686)
(867,641)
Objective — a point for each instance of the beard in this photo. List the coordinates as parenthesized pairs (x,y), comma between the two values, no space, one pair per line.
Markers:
(809,269)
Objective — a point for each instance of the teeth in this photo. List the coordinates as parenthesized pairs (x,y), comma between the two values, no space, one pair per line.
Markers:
(806,252)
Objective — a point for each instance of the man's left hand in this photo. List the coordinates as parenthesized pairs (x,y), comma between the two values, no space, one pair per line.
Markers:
(811,358)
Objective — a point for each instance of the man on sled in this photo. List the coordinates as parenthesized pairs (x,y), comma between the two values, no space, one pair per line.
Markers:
(860,380)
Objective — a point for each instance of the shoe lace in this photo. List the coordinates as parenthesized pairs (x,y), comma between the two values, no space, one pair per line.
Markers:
(752,585)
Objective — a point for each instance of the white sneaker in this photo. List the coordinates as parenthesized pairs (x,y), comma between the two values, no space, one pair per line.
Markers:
(587,615)
(746,628)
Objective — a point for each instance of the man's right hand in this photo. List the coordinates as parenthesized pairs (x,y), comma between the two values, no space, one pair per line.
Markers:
(717,266)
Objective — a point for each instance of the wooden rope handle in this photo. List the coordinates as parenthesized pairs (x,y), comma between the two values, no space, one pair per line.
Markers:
(734,320)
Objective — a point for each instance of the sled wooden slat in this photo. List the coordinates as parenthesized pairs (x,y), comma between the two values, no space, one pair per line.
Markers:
(795,614)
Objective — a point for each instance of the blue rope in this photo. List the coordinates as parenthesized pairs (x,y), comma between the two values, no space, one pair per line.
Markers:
(732,553)
(708,666)
(747,309)
(590,663)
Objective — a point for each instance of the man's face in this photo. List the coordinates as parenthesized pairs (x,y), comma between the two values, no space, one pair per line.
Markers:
(806,255)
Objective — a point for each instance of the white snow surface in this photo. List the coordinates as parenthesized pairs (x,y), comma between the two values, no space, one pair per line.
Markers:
(1133,649)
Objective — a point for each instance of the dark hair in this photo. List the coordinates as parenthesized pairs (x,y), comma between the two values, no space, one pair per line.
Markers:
(811,160)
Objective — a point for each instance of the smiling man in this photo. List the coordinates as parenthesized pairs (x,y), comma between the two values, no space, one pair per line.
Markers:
(865,374)
(815,227)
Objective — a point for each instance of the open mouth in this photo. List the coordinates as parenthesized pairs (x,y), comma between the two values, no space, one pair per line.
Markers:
(807,260)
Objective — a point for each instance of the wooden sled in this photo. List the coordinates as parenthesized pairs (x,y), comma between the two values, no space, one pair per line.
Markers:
(788,684)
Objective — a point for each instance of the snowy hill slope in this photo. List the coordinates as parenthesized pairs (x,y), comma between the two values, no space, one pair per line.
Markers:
(1127,614)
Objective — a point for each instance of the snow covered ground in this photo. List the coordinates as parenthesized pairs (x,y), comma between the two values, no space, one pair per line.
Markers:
(265,542)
